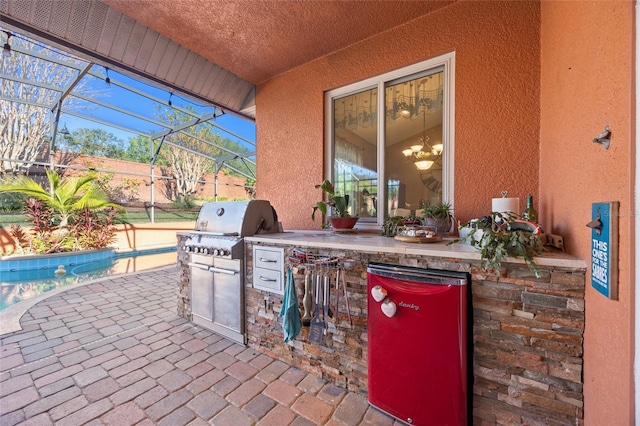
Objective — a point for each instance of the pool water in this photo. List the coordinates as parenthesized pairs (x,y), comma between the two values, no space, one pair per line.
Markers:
(12,292)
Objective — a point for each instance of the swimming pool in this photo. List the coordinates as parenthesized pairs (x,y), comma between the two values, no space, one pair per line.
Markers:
(15,291)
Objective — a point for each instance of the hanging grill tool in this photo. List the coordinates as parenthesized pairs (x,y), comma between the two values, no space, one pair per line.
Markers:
(319,273)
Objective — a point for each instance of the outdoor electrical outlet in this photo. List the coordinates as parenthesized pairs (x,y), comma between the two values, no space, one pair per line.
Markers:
(556,241)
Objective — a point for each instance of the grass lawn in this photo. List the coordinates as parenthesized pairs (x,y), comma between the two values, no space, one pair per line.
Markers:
(132,216)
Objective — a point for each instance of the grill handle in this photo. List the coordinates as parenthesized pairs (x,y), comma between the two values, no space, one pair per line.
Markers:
(212,268)
(267,279)
(265,260)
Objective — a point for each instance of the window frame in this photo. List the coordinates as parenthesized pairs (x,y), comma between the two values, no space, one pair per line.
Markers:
(447,61)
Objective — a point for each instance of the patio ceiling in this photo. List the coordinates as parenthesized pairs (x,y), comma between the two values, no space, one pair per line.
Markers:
(213,50)
(258,40)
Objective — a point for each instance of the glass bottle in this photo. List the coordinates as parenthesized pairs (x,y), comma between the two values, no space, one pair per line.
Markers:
(530,214)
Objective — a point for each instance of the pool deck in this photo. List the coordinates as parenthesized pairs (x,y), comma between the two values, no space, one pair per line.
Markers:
(114,351)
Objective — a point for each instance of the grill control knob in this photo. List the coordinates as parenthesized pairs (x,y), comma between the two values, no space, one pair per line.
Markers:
(186,249)
(216,252)
(209,251)
(224,252)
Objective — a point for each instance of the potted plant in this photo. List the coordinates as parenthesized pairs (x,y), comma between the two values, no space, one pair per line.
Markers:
(439,216)
(391,224)
(339,204)
(498,236)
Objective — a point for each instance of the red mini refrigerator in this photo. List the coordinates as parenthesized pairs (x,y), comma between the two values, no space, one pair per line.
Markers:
(417,349)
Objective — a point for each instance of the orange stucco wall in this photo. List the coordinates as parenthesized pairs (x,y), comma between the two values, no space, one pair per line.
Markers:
(535,82)
(141,236)
(586,84)
(497,106)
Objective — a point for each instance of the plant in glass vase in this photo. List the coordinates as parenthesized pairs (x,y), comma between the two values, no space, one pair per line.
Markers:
(339,204)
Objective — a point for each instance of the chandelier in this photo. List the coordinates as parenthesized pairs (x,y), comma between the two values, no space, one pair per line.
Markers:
(424,154)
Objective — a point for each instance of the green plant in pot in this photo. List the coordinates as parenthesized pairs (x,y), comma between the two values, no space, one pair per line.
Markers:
(339,204)
(439,216)
(497,236)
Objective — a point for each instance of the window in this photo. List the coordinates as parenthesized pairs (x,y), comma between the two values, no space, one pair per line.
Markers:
(395,159)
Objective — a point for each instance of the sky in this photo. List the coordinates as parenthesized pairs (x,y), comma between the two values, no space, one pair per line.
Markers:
(94,86)
(114,94)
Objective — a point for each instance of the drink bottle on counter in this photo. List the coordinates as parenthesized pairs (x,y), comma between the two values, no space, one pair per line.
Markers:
(530,214)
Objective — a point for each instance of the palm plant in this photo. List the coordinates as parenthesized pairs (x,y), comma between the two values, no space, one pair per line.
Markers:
(65,196)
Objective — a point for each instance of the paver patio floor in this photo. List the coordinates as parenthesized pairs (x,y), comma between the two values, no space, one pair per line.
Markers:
(115,352)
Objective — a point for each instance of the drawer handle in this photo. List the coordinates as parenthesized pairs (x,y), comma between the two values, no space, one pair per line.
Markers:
(264,259)
(267,279)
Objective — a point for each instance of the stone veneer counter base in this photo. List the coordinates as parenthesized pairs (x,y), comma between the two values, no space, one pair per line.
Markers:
(527,331)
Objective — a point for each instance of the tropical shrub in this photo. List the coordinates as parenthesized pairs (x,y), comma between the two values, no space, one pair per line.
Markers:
(73,214)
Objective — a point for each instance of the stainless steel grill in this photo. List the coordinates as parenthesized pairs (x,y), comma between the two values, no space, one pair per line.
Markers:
(216,262)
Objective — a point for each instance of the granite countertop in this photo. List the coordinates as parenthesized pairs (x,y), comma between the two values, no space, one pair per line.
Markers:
(375,243)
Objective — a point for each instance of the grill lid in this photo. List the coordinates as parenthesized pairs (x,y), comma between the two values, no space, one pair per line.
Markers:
(237,218)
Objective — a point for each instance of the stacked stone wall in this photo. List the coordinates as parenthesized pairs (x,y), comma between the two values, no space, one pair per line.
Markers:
(527,334)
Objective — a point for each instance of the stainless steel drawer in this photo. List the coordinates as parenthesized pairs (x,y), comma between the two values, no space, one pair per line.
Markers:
(269,258)
(268,269)
(268,279)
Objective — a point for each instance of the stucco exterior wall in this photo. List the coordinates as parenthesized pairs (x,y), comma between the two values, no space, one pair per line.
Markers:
(586,84)
(535,82)
(497,105)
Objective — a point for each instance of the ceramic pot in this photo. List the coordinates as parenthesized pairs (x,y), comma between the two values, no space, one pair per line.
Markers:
(343,222)
(442,226)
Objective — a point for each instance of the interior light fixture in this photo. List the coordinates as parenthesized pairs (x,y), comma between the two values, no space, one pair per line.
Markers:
(417,148)
(107,79)
(169,102)
(424,164)
(437,149)
(407,152)
(404,110)
(6,49)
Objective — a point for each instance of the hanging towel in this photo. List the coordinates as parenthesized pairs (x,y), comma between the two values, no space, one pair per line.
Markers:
(290,311)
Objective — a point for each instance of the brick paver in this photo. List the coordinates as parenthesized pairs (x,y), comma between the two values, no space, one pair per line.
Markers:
(312,409)
(115,353)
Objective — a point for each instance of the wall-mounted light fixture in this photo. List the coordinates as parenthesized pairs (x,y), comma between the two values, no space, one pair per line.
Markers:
(107,79)
(6,49)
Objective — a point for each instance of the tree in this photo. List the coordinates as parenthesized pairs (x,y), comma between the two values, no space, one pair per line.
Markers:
(24,121)
(67,196)
(190,158)
(94,142)
(138,150)
(187,168)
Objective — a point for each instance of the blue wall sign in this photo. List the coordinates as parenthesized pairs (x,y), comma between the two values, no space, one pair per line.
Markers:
(604,248)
